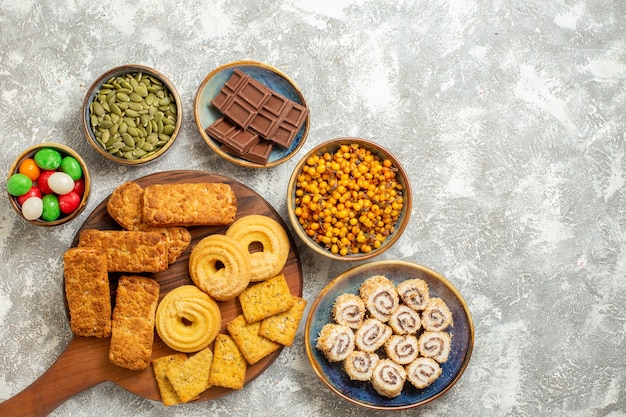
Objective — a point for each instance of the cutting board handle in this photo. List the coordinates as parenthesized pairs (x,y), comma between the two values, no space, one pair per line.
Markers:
(67,376)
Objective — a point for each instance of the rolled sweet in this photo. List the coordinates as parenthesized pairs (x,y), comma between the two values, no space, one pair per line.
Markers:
(436,316)
(402,349)
(380,297)
(360,365)
(414,293)
(187,319)
(405,320)
(435,345)
(372,335)
(349,310)
(335,341)
(422,372)
(388,378)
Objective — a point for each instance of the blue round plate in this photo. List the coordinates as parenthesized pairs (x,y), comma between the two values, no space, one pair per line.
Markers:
(206,114)
(362,393)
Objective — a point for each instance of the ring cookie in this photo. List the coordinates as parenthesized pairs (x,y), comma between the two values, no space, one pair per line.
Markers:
(187,319)
(220,266)
(267,232)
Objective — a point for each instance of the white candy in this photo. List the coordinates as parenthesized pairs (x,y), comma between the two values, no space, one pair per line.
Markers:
(32,208)
(61,183)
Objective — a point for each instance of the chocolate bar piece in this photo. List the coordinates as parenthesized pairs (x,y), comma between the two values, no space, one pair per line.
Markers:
(259,153)
(254,106)
(228,133)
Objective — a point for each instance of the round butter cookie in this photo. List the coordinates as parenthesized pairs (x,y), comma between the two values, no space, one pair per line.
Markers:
(188,319)
(220,266)
(267,232)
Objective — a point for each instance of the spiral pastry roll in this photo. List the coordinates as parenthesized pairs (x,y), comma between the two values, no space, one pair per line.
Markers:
(435,345)
(405,320)
(402,349)
(335,341)
(380,297)
(414,293)
(349,310)
(436,316)
(372,335)
(188,319)
(360,365)
(422,372)
(388,378)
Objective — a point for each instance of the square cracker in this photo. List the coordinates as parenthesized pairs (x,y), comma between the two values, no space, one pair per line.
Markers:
(266,299)
(246,336)
(228,369)
(191,377)
(160,366)
(282,328)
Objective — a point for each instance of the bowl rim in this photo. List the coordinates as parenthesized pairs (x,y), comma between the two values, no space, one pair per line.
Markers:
(404,178)
(355,270)
(29,152)
(120,70)
(232,158)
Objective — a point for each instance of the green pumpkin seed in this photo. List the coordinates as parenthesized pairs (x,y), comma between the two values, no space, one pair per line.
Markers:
(135,106)
(115,109)
(98,109)
(168,130)
(122,97)
(132,113)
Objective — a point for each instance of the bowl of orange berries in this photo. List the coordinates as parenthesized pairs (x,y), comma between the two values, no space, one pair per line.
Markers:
(349,199)
(48,184)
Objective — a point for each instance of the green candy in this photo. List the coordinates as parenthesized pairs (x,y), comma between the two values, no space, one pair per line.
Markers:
(71,167)
(48,158)
(19,184)
(51,209)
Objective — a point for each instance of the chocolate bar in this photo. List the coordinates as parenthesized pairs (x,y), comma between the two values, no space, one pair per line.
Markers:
(253,106)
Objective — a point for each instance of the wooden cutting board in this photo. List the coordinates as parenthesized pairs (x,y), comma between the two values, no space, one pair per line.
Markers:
(84,363)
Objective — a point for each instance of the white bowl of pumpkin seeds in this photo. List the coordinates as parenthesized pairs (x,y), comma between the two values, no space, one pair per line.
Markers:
(132,114)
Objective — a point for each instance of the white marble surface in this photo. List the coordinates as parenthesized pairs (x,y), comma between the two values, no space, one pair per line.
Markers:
(510,117)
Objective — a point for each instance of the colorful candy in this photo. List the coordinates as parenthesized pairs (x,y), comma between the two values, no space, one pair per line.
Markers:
(29,168)
(69,202)
(19,184)
(60,183)
(33,192)
(51,210)
(48,158)
(47,185)
(71,167)
(32,209)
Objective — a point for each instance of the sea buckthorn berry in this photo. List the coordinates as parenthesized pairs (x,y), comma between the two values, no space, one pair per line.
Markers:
(349,200)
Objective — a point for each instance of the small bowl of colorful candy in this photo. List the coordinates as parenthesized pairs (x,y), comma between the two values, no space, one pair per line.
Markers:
(48,184)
